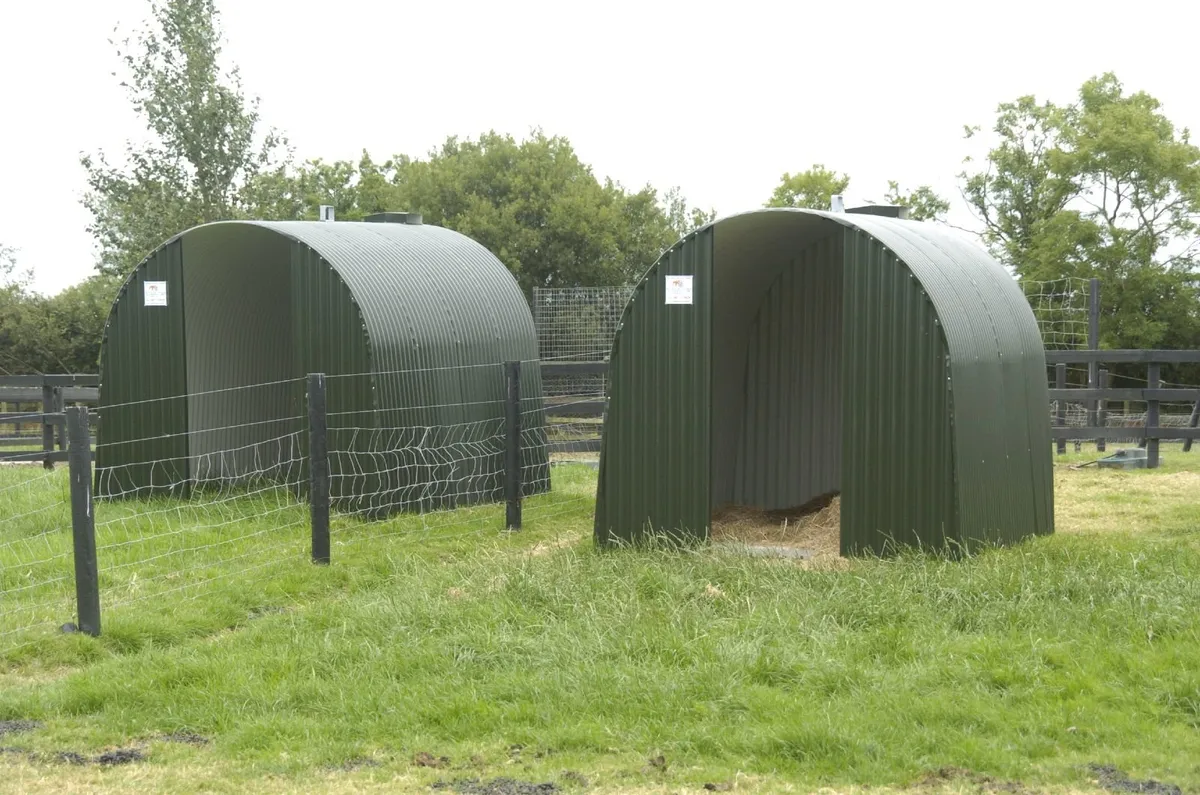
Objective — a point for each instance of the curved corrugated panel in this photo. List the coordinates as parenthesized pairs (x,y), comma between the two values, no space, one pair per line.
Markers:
(655,454)
(411,322)
(440,313)
(943,428)
(142,435)
(996,371)
(898,484)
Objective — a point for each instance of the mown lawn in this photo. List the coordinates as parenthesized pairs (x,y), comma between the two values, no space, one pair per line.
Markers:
(531,656)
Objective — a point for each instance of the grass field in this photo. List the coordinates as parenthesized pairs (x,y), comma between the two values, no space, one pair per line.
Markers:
(444,650)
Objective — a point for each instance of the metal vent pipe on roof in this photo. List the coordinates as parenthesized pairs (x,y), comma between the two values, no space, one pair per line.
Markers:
(837,204)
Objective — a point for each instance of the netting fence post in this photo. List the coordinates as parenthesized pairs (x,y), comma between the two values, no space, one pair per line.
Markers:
(1093,343)
(47,425)
(1153,381)
(83,520)
(512,446)
(318,467)
(1060,412)
(1102,411)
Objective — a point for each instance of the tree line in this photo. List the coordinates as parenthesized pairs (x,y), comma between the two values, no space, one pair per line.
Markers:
(1104,186)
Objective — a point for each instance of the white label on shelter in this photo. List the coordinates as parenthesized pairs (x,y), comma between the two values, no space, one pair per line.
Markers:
(679,289)
(156,293)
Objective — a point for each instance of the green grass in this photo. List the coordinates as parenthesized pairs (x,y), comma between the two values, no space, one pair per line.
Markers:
(448,636)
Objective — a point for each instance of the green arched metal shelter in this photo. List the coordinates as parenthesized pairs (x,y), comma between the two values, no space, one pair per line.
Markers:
(207,346)
(806,353)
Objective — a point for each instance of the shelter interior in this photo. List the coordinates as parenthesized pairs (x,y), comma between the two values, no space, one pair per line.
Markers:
(238,333)
(776,361)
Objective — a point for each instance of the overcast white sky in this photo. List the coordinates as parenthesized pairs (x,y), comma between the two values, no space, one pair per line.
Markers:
(719,100)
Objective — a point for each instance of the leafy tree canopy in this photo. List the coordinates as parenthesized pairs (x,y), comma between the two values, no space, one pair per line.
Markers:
(811,189)
(814,188)
(205,141)
(1106,187)
(533,202)
(43,334)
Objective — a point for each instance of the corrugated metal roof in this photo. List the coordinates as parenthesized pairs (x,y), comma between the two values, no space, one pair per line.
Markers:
(411,322)
(919,366)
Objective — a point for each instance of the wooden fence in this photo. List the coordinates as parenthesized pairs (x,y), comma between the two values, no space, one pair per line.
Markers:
(32,414)
(574,408)
(49,395)
(1099,392)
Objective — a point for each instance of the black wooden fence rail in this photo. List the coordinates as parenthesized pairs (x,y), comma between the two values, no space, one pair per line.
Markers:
(1153,395)
(51,394)
(54,391)
(573,408)
(1095,397)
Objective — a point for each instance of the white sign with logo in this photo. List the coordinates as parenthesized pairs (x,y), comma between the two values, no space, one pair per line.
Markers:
(679,289)
(156,293)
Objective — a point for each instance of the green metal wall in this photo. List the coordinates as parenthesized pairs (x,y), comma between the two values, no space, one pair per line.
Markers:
(790,444)
(142,443)
(409,322)
(1000,429)
(329,336)
(655,456)
(439,313)
(926,411)
(897,472)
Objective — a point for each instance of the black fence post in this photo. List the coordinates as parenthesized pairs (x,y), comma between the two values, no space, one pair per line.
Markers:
(512,452)
(60,406)
(1093,345)
(1060,410)
(1193,422)
(47,425)
(83,521)
(1153,381)
(1102,410)
(318,467)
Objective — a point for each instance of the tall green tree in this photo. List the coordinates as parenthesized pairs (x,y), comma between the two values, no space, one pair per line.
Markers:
(1107,187)
(533,202)
(814,188)
(682,217)
(811,189)
(8,265)
(205,138)
(1020,185)
(923,203)
(59,333)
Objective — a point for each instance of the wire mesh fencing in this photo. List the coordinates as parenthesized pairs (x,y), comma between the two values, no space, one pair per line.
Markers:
(1061,307)
(36,566)
(181,525)
(577,324)
(214,494)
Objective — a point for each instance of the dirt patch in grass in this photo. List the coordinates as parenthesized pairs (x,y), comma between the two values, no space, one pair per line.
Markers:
(1113,780)
(17,726)
(497,786)
(815,527)
(185,738)
(426,759)
(113,758)
(942,777)
(120,756)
